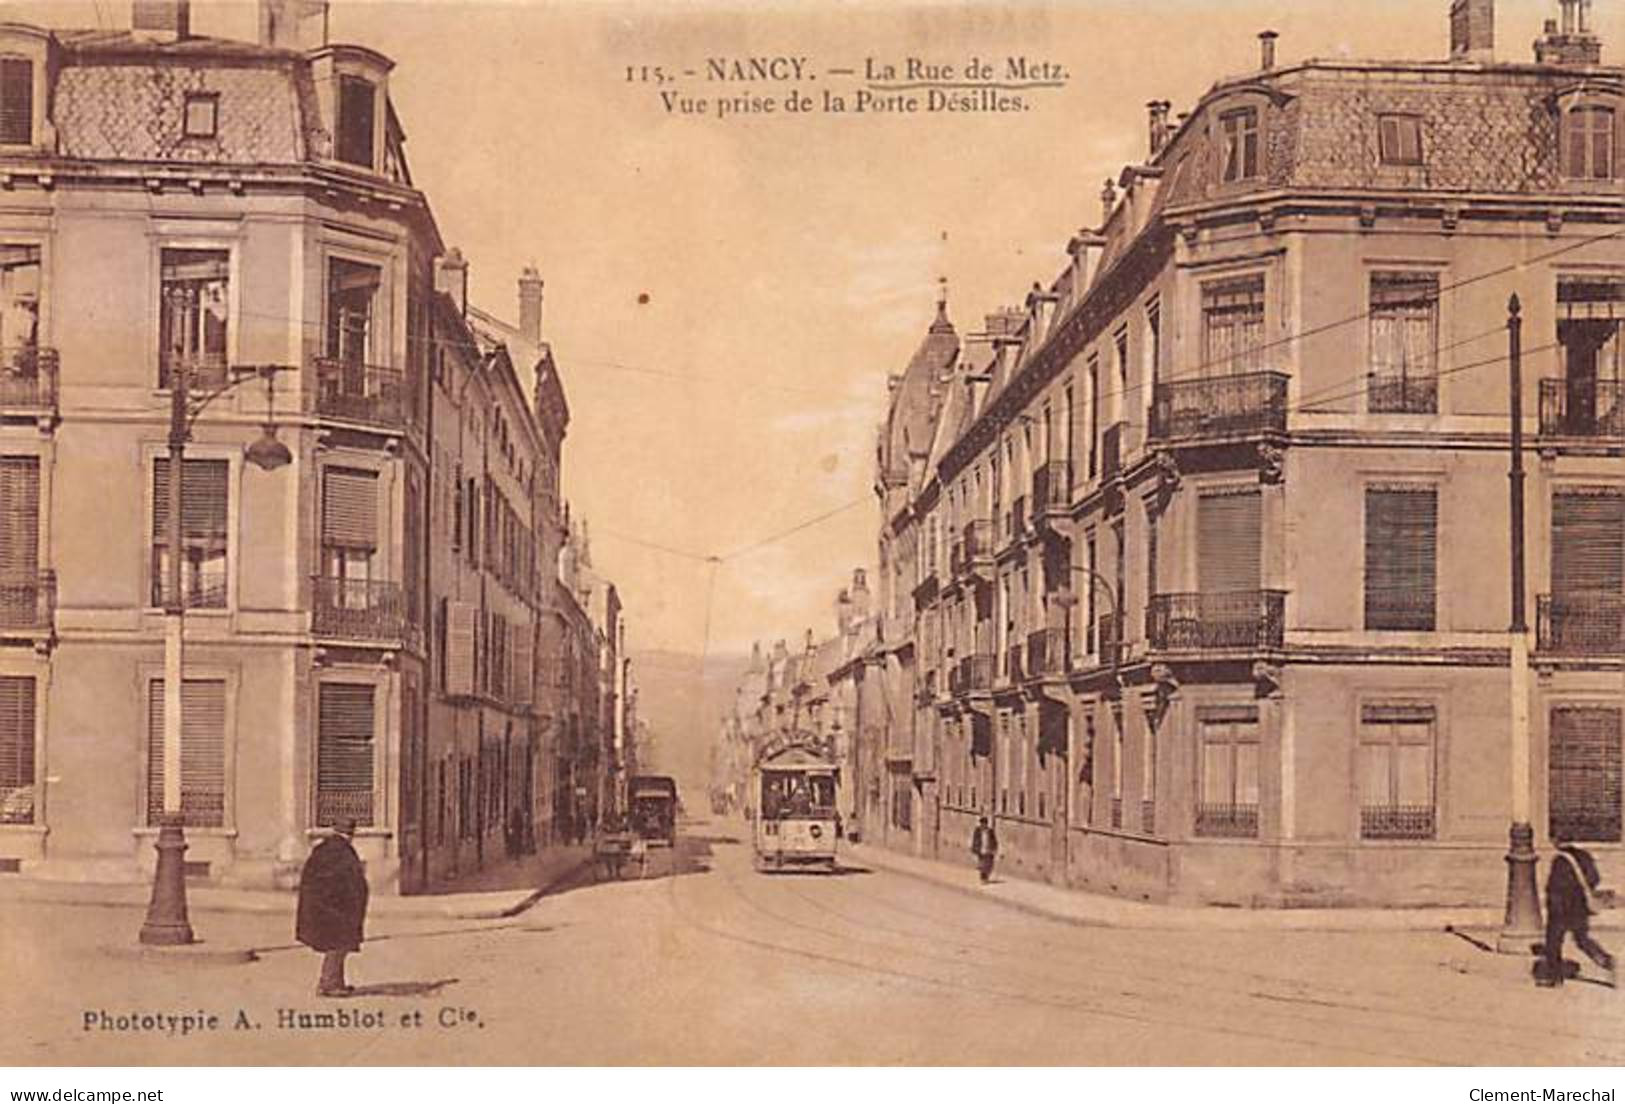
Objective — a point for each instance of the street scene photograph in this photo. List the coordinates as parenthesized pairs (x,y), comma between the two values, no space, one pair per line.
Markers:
(889,533)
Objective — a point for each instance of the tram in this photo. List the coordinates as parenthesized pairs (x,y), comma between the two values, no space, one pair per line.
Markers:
(792,800)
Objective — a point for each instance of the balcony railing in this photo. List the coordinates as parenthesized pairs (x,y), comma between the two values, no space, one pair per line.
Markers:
(27,601)
(1582,408)
(1389,394)
(976,673)
(1111,450)
(204,371)
(366,393)
(1594,825)
(1233,821)
(978,540)
(1219,406)
(1580,623)
(1046,653)
(357,609)
(1396,822)
(1052,488)
(1240,619)
(28,377)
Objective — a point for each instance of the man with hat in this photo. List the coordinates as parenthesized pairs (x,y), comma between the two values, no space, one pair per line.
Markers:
(333,905)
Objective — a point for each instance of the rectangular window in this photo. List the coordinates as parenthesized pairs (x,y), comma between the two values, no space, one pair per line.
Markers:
(1404,327)
(1399,138)
(1584,787)
(1590,143)
(1241,149)
(1227,804)
(202,115)
(16,750)
(357,109)
(1401,534)
(1590,399)
(352,292)
(203,752)
(16,102)
(204,538)
(1229,545)
(349,531)
(344,752)
(194,297)
(1396,771)
(1233,326)
(1094,416)
(19,311)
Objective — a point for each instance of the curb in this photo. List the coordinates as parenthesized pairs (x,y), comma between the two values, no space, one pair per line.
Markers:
(188,954)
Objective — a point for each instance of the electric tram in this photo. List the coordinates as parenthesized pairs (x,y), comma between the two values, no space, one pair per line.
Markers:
(792,800)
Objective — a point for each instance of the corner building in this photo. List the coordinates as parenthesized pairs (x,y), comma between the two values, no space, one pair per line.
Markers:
(1195,566)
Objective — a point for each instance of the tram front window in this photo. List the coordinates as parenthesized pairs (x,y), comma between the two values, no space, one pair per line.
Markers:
(797,794)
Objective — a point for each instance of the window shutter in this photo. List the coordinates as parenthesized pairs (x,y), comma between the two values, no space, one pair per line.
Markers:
(522,672)
(461,618)
(1229,540)
(19,517)
(16,101)
(203,752)
(203,500)
(1588,542)
(344,754)
(16,750)
(1401,524)
(350,508)
(1584,786)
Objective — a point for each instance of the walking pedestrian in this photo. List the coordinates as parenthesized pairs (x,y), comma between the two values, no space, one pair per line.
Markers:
(984,844)
(1572,895)
(333,906)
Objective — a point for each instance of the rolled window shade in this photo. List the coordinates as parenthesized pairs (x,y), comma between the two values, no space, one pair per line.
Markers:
(1584,785)
(1588,541)
(16,749)
(203,752)
(1400,557)
(350,508)
(203,499)
(1229,543)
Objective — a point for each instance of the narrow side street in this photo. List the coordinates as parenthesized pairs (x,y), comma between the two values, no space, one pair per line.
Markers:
(706,961)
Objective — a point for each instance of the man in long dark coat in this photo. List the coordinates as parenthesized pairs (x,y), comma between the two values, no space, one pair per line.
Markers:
(1571,889)
(333,906)
(984,844)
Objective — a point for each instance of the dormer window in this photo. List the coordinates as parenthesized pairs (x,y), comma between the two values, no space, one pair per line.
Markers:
(16,101)
(1239,131)
(356,113)
(1588,143)
(202,115)
(1399,139)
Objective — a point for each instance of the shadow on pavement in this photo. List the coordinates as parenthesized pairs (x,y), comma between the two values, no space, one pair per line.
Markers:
(402,988)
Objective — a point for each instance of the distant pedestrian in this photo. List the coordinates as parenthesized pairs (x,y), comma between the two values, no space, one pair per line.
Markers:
(984,844)
(1572,895)
(333,906)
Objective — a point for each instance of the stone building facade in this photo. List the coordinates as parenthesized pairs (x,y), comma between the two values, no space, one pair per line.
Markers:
(1194,568)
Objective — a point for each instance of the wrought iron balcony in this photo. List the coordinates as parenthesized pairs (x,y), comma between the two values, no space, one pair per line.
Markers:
(1580,623)
(1223,820)
(204,371)
(358,609)
(1582,408)
(976,673)
(1391,394)
(1046,653)
(27,601)
(1396,822)
(1111,450)
(1052,489)
(367,393)
(1229,621)
(978,542)
(1219,406)
(28,378)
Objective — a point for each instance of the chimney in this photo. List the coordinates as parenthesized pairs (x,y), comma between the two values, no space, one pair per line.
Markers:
(1266,50)
(860,593)
(755,658)
(451,277)
(1108,200)
(160,20)
(1572,44)
(530,305)
(1472,30)
(1157,118)
(843,612)
(290,24)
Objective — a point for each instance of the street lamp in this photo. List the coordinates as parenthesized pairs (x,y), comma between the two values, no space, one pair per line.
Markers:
(167,923)
(1522,924)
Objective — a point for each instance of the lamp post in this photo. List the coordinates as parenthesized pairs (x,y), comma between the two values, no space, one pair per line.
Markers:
(1522,924)
(167,923)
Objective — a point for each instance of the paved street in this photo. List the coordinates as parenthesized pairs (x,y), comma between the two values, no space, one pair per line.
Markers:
(718,964)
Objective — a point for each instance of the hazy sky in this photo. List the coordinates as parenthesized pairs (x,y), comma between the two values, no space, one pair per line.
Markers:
(789,263)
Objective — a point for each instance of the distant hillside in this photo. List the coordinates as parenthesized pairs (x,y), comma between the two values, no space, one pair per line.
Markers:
(684,714)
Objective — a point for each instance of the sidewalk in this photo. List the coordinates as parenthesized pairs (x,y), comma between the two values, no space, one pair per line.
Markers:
(547,871)
(1080,907)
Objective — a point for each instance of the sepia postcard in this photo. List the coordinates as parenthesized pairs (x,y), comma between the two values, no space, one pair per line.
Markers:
(874,533)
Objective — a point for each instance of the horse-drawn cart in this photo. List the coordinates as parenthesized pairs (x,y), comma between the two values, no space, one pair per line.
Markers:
(615,851)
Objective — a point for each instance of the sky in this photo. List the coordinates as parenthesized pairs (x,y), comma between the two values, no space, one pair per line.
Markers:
(726,297)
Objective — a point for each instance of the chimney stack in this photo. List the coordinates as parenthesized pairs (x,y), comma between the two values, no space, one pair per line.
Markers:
(1266,50)
(451,277)
(1108,200)
(1472,30)
(1574,43)
(160,20)
(530,305)
(1157,115)
(290,24)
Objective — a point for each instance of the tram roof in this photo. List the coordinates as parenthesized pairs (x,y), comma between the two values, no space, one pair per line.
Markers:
(795,757)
